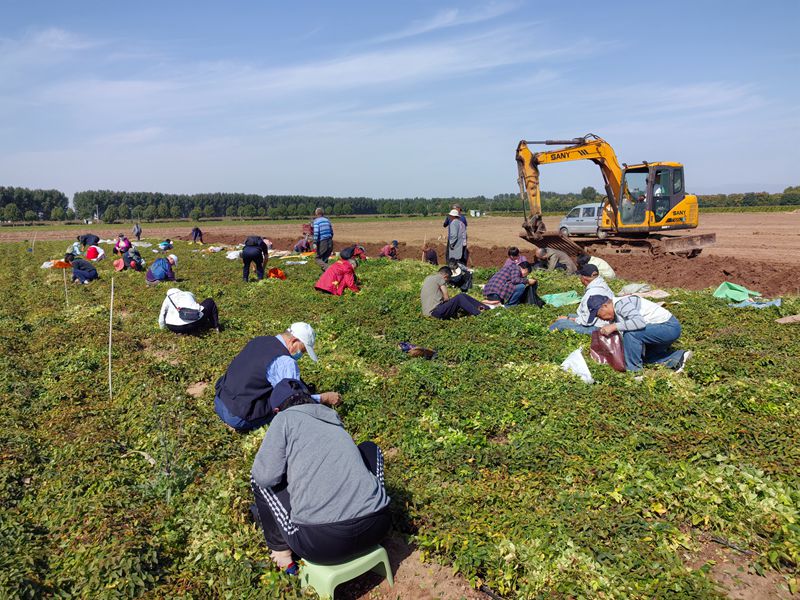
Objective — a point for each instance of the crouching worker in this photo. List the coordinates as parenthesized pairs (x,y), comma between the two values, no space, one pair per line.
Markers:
(436,302)
(317,494)
(510,283)
(161,270)
(243,391)
(133,260)
(648,330)
(595,286)
(181,313)
(82,270)
(340,276)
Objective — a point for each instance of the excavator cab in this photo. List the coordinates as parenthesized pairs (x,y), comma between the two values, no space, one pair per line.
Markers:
(650,194)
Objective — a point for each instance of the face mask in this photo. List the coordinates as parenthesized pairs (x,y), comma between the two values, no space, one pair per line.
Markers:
(297,355)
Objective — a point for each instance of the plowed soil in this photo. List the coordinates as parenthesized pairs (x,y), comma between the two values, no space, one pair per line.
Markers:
(757,250)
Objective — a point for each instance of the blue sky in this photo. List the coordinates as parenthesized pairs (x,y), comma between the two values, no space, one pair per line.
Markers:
(391,99)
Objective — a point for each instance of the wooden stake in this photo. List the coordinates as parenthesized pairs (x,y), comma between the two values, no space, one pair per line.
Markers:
(66,299)
(110,323)
(424,242)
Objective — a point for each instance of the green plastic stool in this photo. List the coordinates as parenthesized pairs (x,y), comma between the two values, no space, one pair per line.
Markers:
(325,578)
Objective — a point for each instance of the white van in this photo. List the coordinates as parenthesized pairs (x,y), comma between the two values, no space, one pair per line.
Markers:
(582,220)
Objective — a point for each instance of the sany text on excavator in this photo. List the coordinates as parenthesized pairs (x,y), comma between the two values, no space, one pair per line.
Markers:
(642,201)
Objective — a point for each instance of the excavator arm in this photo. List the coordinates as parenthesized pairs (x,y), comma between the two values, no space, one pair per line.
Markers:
(588,147)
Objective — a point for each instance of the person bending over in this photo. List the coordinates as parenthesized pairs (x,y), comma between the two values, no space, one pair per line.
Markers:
(199,316)
(509,284)
(318,495)
(595,286)
(243,392)
(340,276)
(255,252)
(82,270)
(648,330)
(162,270)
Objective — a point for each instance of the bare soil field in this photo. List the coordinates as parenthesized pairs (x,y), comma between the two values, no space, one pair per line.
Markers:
(758,250)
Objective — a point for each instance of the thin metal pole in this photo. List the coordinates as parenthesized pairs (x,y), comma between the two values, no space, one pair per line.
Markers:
(66,299)
(110,323)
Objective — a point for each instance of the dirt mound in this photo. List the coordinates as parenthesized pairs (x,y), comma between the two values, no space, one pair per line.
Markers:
(663,271)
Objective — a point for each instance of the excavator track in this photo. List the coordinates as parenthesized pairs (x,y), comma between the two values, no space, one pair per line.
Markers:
(681,245)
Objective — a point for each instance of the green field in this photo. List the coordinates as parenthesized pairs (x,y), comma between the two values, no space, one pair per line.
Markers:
(516,474)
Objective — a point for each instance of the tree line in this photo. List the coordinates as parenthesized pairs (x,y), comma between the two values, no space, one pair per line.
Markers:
(30,205)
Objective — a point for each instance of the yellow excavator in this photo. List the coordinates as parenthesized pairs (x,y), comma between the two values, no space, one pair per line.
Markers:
(641,202)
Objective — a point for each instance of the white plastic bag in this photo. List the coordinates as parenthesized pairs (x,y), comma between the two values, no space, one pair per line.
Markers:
(575,363)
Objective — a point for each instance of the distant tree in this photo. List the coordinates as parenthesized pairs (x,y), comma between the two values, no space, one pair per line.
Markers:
(70,214)
(136,213)
(57,214)
(123,212)
(230,211)
(149,213)
(30,215)
(195,214)
(110,214)
(589,194)
(209,211)
(11,212)
(175,211)
(163,210)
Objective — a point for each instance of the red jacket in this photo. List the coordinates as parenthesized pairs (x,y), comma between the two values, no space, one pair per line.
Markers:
(337,278)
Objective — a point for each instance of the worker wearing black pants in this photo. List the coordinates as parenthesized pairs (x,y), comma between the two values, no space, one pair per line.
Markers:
(329,543)
(255,251)
(449,308)
(209,320)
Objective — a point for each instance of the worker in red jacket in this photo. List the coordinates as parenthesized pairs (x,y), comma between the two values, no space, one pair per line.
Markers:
(340,276)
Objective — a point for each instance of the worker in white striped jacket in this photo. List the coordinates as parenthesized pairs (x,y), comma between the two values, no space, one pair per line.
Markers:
(648,330)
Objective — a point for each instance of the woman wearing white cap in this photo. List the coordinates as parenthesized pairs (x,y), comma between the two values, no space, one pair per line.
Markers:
(243,391)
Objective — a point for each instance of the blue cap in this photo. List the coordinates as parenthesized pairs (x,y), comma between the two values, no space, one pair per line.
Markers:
(594,303)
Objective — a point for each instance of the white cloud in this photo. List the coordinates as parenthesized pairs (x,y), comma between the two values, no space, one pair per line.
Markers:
(452,17)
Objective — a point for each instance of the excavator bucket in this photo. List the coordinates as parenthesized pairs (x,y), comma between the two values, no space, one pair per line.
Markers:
(553,240)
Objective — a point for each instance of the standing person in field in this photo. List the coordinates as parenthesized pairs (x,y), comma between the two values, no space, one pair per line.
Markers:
(317,494)
(323,238)
(243,392)
(161,270)
(255,252)
(456,239)
(82,270)
(648,330)
(197,235)
(171,317)
(437,303)
(340,276)
(137,231)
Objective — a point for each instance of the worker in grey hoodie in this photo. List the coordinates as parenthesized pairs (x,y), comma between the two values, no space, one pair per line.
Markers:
(317,494)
